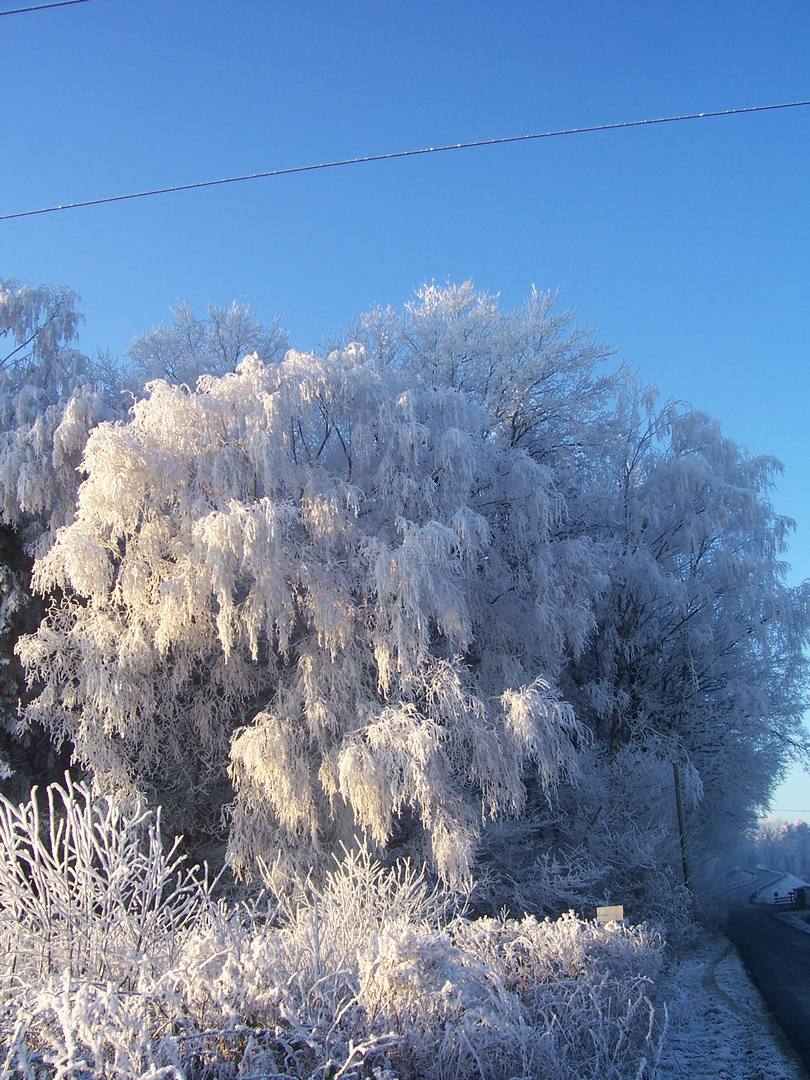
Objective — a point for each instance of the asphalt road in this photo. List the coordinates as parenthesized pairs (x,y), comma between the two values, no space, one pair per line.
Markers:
(778,957)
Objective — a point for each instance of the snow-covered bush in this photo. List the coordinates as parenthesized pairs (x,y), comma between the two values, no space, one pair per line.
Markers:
(131,970)
(504,998)
(87,888)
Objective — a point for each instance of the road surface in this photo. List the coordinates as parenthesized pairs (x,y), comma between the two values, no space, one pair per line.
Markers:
(778,957)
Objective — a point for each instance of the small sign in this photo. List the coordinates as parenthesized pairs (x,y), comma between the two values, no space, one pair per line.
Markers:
(614,913)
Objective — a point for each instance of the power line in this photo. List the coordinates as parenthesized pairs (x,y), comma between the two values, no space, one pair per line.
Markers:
(43,7)
(395,155)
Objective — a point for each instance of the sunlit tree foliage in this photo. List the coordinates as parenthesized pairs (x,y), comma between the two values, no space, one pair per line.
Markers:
(416,587)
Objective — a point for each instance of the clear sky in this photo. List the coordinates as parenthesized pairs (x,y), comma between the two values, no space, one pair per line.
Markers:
(687,244)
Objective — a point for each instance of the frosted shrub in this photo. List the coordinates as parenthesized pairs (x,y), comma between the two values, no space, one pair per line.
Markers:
(454,1016)
(373,969)
(504,998)
(117,963)
(92,911)
(84,1029)
(587,991)
(89,890)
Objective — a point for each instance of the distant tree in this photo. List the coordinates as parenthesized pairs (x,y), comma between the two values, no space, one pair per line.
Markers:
(781,845)
(50,396)
(39,365)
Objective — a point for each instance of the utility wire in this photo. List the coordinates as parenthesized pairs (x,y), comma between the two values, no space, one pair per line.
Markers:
(43,7)
(395,155)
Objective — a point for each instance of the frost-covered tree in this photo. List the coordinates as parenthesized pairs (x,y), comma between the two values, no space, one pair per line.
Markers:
(38,361)
(781,845)
(396,590)
(532,368)
(698,659)
(189,346)
(343,584)
(51,395)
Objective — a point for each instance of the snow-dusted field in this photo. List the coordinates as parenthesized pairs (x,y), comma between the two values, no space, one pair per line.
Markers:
(719,1026)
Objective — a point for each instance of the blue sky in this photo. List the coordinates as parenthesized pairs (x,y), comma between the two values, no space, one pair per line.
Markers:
(688,245)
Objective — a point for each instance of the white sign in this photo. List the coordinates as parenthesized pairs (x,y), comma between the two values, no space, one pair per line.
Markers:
(614,913)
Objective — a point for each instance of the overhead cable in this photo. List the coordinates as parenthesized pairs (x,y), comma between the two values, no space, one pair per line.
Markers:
(398,154)
(43,7)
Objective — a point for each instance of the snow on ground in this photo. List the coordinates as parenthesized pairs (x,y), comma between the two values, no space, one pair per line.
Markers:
(782,885)
(719,1026)
(799,919)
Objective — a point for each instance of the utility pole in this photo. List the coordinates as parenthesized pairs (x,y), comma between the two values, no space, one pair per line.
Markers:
(687,874)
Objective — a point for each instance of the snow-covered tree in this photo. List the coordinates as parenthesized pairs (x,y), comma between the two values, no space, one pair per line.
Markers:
(781,845)
(532,368)
(699,657)
(39,364)
(697,662)
(190,346)
(51,395)
(396,590)
(343,580)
